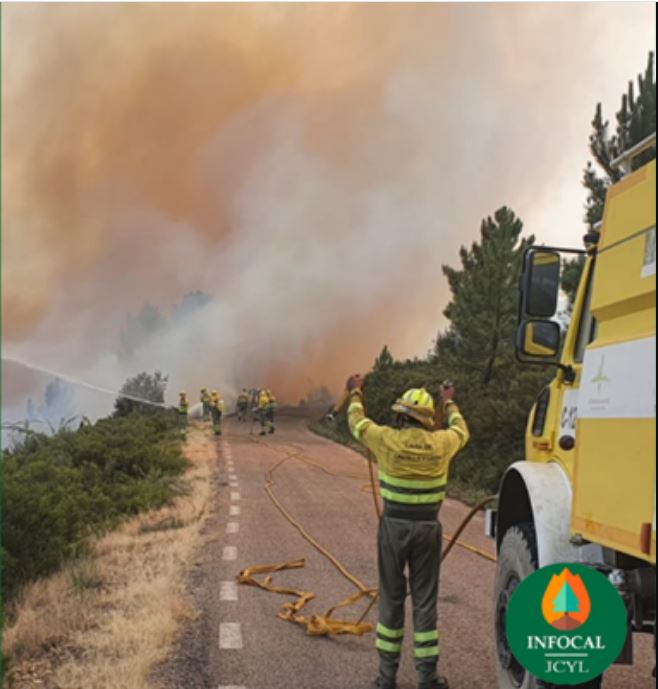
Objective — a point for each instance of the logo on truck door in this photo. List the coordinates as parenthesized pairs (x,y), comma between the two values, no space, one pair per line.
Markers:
(618,381)
(600,377)
(566,624)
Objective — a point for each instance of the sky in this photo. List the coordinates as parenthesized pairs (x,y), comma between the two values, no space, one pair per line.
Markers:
(310,166)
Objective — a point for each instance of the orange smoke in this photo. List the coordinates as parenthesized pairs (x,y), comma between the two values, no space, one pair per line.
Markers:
(309,165)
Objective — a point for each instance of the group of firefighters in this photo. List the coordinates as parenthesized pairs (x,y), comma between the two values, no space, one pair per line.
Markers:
(261,403)
(413,458)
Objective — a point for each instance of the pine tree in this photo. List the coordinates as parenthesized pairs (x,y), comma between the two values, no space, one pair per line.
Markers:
(384,360)
(494,391)
(483,310)
(636,119)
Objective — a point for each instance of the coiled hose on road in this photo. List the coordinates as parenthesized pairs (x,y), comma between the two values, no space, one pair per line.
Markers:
(326,625)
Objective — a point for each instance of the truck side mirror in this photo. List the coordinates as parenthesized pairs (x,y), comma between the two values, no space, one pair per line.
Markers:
(540,284)
(539,339)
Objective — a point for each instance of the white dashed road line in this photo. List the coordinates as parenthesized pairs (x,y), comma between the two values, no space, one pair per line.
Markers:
(230,552)
(230,635)
(228,590)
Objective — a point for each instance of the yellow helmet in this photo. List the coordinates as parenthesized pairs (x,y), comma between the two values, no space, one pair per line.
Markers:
(214,392)
(418,404)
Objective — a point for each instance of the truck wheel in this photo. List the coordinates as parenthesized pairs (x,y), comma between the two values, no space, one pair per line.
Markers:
(517,559)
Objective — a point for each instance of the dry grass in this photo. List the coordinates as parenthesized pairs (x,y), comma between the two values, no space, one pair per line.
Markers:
(106,621)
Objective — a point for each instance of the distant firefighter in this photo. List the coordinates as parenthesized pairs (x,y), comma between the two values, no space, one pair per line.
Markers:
(266,409)
(183,408)
(216,411)
(205,401)
(243,404)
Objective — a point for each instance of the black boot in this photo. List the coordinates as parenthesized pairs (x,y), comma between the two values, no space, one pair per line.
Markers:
(440,683)
(381,683)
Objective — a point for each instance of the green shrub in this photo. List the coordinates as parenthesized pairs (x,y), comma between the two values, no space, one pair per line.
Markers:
(59,490)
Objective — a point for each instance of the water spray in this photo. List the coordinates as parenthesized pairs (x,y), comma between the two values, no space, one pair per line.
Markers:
(89,386)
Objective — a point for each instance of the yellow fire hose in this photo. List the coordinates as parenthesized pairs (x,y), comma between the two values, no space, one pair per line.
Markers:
(316,625)
(371,487)
(325,625)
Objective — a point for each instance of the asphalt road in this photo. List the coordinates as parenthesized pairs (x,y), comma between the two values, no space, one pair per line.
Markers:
(238,642)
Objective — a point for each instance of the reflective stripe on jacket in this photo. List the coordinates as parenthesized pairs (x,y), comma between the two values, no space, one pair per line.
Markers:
(413,462)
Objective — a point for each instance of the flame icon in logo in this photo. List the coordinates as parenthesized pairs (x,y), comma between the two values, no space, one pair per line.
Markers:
(566,604)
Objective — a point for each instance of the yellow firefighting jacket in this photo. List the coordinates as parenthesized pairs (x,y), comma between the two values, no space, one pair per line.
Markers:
(413,462)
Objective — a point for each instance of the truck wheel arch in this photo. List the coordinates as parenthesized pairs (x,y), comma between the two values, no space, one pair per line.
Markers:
(541,494)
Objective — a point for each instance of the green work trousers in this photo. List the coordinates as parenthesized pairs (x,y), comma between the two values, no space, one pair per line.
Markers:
(267,420)
(216,420)
(405,543)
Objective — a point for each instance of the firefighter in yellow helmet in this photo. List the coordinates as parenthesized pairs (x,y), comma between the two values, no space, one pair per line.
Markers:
(216,411)
(413,461)
(205,402)
(243,404)
(183,408)
(266,409)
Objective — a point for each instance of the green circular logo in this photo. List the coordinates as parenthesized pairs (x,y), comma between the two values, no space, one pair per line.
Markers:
(566,623)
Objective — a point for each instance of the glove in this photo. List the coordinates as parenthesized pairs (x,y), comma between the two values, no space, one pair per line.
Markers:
(355,382)
(447,391)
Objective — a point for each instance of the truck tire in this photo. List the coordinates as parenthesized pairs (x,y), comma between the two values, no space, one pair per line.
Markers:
(517,559)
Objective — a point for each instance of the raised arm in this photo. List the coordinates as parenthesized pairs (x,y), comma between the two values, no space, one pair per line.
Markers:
(457,433)
(365,430)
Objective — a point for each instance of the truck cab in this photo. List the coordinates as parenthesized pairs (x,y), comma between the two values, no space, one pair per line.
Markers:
(585,490)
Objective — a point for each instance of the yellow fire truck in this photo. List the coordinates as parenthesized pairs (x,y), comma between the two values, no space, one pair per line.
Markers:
(586,491)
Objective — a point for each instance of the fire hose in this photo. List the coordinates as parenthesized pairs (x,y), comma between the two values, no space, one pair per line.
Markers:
(326,625)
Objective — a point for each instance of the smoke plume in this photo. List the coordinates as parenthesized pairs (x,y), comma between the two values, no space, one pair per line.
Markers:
(309,166)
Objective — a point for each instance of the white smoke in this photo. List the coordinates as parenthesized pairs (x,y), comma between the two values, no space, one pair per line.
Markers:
(320,251)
